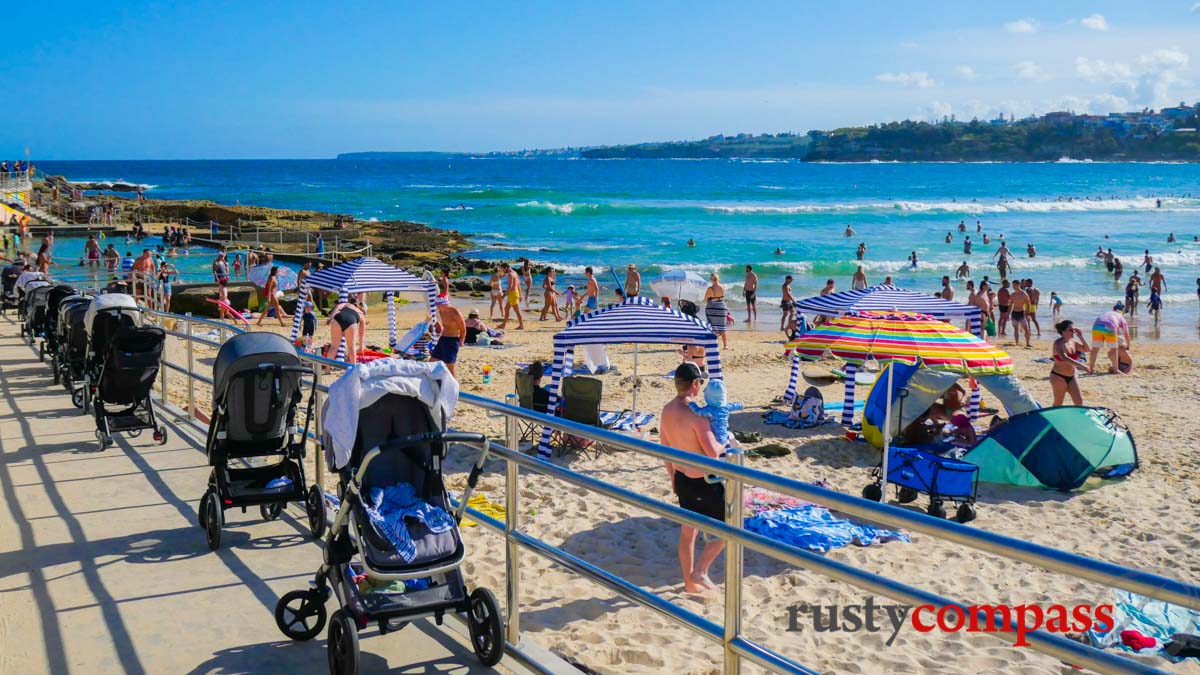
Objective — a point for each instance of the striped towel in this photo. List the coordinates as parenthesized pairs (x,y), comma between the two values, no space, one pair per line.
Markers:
(624,421)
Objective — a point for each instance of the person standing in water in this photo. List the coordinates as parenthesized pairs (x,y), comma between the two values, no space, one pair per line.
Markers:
(750,293)
(947,290)
(1003,304)
(967,246)
(1035,296)
(633,281)
(859,281)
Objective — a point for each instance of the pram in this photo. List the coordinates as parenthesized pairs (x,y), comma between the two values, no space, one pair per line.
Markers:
(256,391)
(50,322)
(26,279)
(122,360)
(8,287)
(37,294)
(70,341)
(387,439)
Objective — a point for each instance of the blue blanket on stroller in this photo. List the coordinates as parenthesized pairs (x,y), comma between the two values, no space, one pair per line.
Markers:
(389,507)
(814,528)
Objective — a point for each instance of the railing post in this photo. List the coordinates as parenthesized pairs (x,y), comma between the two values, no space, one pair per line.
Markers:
(316,394)
(162,373)
(512,521)
(191,382)
(733,568)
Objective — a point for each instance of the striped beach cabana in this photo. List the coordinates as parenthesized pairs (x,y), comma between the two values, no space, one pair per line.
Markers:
(634,321)
(366,275)
(882,298)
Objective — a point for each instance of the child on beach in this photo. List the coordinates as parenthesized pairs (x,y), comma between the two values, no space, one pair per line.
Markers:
(1055,303)
(717,410)
(308,326)
(1155,304)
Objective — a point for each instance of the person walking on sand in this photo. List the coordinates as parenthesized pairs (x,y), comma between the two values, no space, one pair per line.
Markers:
(633,281)
(550,296)
(1035,298)
(788,304)
(512,296)
(272,293)
(592,301)
(453,335)
(715,309)
(684,430)
(527,280)
(1003,306)
(1068,353)
(750,293)
(1020,308)
(496,294)
(1107,332)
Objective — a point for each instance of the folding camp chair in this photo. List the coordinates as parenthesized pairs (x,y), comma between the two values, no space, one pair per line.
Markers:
(523,386)
(580,403)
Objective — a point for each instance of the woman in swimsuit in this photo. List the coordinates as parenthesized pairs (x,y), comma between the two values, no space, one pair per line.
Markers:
(165,272)
(1069,349)
(237,265)
(272,294)
(715,309)
(344,317)
(496,293)
(550,295)
(527,280)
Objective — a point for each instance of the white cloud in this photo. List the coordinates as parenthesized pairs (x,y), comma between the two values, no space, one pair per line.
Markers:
(1098,70)
(1160,72)
(1095,22)
(1028,70)
(1164,59)
(1021,26)
(918,79)
(966,72)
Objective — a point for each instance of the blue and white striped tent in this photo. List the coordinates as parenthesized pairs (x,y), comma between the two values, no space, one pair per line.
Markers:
(636,320)
(882,298)
(366,275)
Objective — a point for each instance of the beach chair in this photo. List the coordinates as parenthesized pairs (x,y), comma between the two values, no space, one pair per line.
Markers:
(523,387)
(580,403)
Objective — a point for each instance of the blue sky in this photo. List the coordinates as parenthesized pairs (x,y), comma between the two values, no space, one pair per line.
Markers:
(305,79)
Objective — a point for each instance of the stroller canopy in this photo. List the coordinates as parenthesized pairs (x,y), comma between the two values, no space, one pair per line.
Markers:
(106,301)
(1055,448)
(636,320)
(247,351)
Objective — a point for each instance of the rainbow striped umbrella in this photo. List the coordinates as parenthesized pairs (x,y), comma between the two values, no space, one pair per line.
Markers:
(903,336)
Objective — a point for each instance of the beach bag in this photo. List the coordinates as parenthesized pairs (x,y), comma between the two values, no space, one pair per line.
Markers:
(990,328)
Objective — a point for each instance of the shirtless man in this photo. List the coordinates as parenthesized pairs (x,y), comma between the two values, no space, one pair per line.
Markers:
(633,281)
(143,267)
(1020,308)
(512,296)
(788,304)
(684,430)
(947,289)
(983,301)
(1002,266)
(1035,296)
(750,292)
(1003,305)
(963,271)
(592,303)
(454,334)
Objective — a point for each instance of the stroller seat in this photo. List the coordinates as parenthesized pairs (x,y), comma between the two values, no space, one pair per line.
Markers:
(434,549)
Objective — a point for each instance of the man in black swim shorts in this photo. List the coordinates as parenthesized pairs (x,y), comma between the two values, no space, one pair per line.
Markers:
(684,430)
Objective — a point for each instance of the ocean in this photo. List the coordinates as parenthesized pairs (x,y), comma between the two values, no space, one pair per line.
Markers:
(607,213)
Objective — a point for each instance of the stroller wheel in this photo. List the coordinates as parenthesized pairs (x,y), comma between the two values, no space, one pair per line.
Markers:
(486,627)
(906,495)
(271,511)
(202,512)
(300,615)
(212,529)
(872,492)
(105,439)
(135,433)
(936,509)
(314,506)
(160,436)
(77,398)
(54,368)
(965,514)
(342,644)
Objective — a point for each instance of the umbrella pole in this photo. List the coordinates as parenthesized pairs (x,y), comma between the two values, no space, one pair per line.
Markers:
(887,435)
(635,382)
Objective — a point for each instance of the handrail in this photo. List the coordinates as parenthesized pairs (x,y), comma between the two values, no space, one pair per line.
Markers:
(736,645)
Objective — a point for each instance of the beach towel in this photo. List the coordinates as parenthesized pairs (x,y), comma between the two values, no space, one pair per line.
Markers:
(1150,617)
(624,421)
(389,507)
(786,419)
(814,528)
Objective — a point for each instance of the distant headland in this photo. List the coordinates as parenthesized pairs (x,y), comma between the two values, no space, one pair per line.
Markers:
(1169,134)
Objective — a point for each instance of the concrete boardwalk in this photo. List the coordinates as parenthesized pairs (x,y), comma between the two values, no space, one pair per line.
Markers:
(103,568)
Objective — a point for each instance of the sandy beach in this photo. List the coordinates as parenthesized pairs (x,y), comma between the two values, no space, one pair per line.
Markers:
(1148,521)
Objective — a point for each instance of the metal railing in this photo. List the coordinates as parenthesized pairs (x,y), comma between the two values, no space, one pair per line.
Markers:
(11,183)
(736,646)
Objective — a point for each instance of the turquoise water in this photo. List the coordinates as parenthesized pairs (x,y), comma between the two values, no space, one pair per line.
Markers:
(608,213)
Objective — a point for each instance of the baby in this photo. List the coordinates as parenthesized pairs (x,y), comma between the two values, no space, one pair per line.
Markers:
(717,411)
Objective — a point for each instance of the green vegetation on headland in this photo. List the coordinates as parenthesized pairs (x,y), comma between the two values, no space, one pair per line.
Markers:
(1169,134)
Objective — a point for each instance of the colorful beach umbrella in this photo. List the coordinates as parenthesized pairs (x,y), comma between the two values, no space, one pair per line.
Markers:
(285,277)
(903,336)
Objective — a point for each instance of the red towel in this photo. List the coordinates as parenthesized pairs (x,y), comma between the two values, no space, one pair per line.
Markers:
(1136,641)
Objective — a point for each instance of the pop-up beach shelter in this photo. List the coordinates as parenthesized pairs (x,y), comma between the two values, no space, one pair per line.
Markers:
(883,298)
(635,321)
(366,275)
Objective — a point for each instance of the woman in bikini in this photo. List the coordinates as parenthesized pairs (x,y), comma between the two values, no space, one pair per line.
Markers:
(272,294)
(1069,349)
(550,294)
(342,319)
(527,280)
(497,295)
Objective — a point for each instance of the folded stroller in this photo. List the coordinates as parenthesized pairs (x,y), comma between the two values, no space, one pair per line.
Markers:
(393,551)
(37,295)
(8,287)
(121,363)
(70,342)
(256,391)
(50,322)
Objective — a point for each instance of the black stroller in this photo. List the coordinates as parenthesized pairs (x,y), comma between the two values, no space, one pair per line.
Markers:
(256,391)
(49,326)
(398,446)
(37,295)
(8,287)
(70,339)
(122,361)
